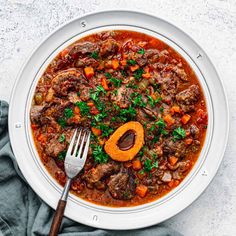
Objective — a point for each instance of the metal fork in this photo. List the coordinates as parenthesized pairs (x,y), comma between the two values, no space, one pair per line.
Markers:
(76,156)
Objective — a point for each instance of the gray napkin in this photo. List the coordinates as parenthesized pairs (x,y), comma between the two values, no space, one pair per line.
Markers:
(22,212)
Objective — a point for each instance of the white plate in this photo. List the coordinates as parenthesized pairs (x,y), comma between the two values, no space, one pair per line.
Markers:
(127,217)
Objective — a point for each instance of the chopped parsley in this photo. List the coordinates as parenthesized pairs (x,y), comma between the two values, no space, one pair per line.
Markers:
(108,75)
(94,95)
(138,101)
(106,130)
(62,122)
(116,82)
(62,155)
(94,55)
(100,117)
(178,133)
(62,138)
(148,165)
(138,73)
(152,101)
(141,51)
(84,108)
(99,155)
(161,109)
(125,114)
(131,62)
(68,113)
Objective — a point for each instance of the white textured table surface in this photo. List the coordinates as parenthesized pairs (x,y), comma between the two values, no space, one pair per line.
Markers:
(23,23)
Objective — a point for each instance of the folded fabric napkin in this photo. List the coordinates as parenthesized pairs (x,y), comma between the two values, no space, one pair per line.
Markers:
(22,212)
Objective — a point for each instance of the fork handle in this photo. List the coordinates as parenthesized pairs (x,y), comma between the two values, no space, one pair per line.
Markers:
(57,219)
(56,223)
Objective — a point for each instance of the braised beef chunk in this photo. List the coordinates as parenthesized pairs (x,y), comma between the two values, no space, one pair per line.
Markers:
(100,171)
(128,81)
(67,81)
(122,186)
(109,47)
(53,147)
(176,148)
(188,97)
(83,49)
(36,113)
(122,98)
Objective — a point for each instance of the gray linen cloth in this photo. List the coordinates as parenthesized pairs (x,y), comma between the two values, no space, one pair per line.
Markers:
(22,212)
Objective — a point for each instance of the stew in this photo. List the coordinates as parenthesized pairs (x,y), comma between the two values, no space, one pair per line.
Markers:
(144,106)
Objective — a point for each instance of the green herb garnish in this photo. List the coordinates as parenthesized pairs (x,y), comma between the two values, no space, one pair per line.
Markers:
(131,62)
(62,122)
(178,133)
(62,138)
(152,101)
(94,55)
(99,155)
(141,51)
(84,108)
(62,155)
(138,73)
(116,82)
(106,130)
(68,113)
(148,165)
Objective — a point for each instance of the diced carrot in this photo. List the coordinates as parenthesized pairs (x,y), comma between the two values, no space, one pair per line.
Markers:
(50,130)
(123,62)
(134,68)
(90,104)
(101,66)
(33,126)
(104,83)
(142,43)
(188,141)
(141,190)
(127,164)
(115,64)
(89,72)
(173,160)
(169,119)
(147,69)
(64,52)
(187,133)
(101,141)
(96,131)
(76,110)
(125,56)
(41,138)
(94,110)
(153,96)
(136,164)
(174,109)
(146,75)
(185,118)
(171,183)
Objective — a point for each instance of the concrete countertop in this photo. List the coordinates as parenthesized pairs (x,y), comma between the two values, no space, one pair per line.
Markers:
(23,24)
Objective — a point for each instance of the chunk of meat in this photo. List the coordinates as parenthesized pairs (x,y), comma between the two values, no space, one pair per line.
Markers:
(36,112)
(81,49)
(188,97)
(68,80)
(194,131)
(169,84)
(177,148)
(109,47)
(122,98)
(180,72)
(122,186)
(83,62)
(166,176)
(100,171)
(53,147)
